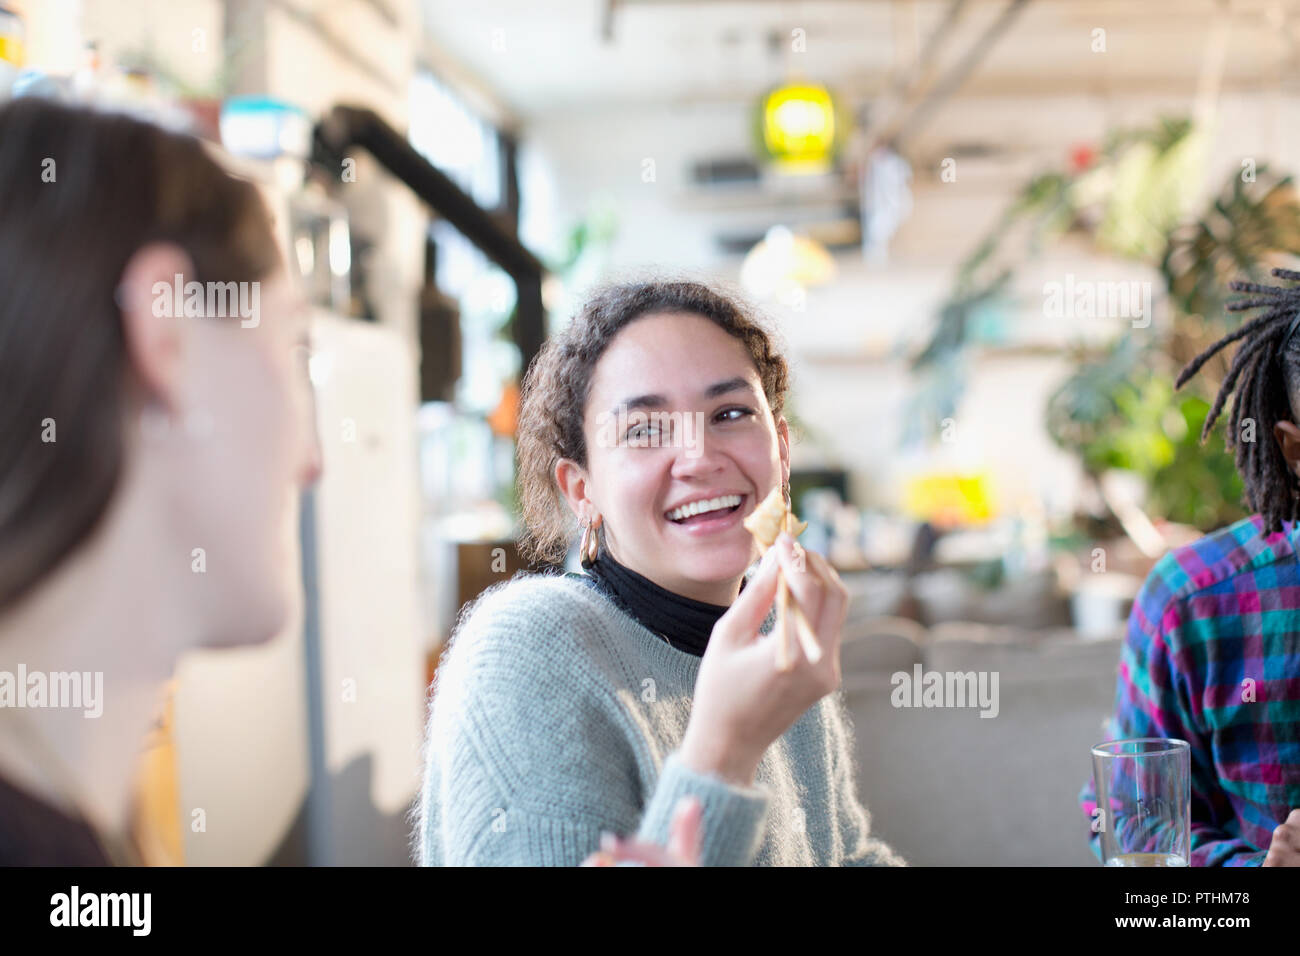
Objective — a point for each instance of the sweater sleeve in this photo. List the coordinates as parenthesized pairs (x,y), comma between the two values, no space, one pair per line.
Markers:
(522,834)
(731,821)
(470,820)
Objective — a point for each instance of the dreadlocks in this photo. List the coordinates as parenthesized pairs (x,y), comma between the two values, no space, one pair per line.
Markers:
(1265,372)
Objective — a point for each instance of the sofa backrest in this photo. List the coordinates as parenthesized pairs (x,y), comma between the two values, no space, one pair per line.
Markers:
(946,786)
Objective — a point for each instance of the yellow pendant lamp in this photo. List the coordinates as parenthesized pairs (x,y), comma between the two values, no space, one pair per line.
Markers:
(798,128)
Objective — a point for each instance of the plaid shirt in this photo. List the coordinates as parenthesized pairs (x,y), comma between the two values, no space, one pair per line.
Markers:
(1212,616)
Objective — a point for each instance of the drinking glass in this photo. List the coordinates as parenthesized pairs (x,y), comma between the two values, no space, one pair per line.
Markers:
(1144,795)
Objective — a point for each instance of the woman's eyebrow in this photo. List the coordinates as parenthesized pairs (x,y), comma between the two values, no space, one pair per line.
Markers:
(730,385)
(655,400)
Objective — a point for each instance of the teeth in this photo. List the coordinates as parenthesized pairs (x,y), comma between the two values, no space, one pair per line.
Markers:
(699,507)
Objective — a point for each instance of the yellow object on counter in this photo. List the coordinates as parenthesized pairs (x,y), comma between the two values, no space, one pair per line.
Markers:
(12,50)
(949,499)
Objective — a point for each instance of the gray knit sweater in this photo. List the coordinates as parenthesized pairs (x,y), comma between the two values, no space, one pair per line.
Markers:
(556,716)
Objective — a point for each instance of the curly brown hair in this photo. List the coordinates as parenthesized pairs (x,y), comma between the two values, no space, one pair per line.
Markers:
(556,387)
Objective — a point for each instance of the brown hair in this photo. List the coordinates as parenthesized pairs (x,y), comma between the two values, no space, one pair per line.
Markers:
(556,387)
(80,192)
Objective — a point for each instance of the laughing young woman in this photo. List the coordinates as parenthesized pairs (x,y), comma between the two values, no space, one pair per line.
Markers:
(569,706)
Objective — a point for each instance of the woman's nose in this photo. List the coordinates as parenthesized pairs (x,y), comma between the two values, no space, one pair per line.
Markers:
(313,461)
(697,455)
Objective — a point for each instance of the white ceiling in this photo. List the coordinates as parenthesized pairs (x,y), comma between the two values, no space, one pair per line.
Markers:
(535,56)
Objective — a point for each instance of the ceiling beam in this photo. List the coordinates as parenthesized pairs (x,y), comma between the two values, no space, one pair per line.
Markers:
(909,119)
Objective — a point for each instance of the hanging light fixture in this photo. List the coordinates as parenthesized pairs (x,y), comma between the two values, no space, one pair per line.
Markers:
(783,265)
(798,127)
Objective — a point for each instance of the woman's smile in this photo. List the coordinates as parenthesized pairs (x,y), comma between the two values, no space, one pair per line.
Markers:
(710,513)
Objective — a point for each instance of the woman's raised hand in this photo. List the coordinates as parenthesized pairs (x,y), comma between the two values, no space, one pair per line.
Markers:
(742,702)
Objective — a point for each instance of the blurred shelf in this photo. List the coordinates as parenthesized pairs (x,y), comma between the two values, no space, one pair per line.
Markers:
(986,353)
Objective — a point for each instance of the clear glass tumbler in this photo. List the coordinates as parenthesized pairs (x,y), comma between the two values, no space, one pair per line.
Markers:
(1144,795)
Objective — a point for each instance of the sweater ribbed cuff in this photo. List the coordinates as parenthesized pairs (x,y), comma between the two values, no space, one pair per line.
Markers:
(731,823)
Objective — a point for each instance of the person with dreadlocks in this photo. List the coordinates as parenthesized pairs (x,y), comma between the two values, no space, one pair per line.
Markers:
(1212,654)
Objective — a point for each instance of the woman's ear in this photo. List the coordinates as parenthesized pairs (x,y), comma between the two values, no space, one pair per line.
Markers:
(571,478)
(1287,435)
(151,317)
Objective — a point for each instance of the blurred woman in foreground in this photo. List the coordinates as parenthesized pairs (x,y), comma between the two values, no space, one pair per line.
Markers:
(150,458)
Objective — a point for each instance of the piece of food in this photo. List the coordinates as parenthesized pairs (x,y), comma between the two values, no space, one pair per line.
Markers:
(770,518)
(766,523)
(767,519)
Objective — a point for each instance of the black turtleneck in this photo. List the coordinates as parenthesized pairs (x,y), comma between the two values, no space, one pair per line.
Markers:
(681,621)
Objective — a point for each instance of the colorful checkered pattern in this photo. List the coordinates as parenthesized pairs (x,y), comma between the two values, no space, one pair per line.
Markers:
(1213,657)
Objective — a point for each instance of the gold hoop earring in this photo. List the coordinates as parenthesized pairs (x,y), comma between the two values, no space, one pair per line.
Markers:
(584,545)
(785,493)
(589,549)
